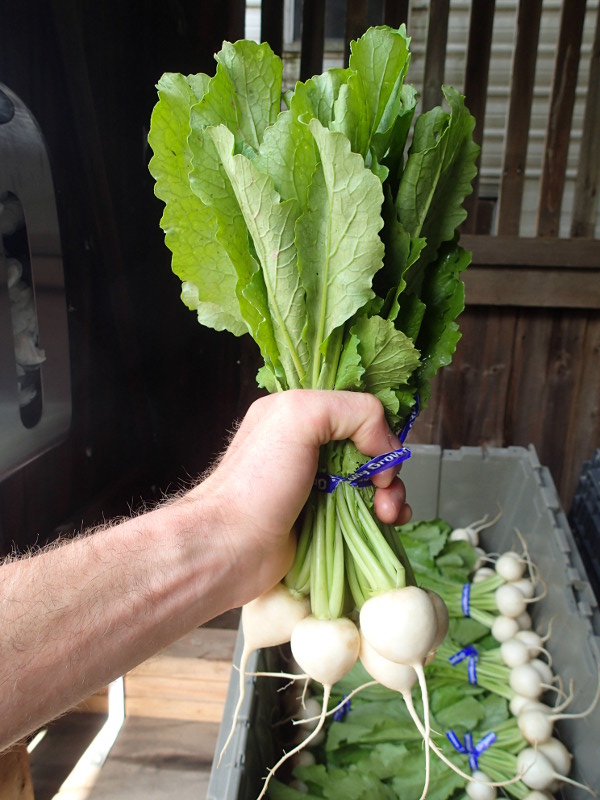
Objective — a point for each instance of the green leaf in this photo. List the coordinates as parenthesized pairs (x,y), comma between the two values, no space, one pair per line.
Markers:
(443,295)
(288,154)
(190,226)
(372,98)
(244,94)
(350,371)
(271,227)
(317,96)
(339,249)
(437,178)
(388,357)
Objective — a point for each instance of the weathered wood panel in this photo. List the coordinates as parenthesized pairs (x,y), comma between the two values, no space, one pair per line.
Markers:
(559,117)
(510,196)
(435,53)
(585,202)
(395,12)
(520,377)
(479,48)
(356,22)
(271,24)
(313,38)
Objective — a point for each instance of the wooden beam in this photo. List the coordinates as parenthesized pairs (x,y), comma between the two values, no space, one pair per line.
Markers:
(510,198)
(558,131)
(533,272)
(435,54)
(533,287)
(271,24)
(533,251)
(479,48)
(395,12)
(588,172)
(313,38)
(356,23)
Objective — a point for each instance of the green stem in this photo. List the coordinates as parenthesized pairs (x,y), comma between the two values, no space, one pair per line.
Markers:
(359,592)
(379,544)
(298,573)
(335,559)
(329,360)
(378,578)
(395,543)
(318,570)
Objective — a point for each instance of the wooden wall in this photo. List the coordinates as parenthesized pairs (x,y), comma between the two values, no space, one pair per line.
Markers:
(153,393)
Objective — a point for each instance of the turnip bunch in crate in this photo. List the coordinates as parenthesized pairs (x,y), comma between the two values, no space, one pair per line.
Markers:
(323,222)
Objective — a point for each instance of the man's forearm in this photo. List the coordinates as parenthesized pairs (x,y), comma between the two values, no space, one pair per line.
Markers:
(80,614)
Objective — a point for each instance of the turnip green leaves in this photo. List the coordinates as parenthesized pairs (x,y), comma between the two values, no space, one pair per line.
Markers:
(309,225)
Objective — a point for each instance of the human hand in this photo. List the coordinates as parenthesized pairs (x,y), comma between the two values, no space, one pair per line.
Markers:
(265,476)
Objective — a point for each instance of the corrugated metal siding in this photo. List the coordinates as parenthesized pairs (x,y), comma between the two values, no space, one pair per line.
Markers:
(498,92)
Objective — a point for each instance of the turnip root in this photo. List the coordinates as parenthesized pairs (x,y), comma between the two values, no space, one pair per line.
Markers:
(536,771)
(504,628)
(557,753)
(267,621)
(536,720)
(326,649)
(400,625)
(471,532)
(511,566)
(481,788)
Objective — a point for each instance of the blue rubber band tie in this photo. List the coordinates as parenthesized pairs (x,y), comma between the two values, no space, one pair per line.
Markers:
(469,749)
(362,476)
(472,654)
(465,600)
(343,711)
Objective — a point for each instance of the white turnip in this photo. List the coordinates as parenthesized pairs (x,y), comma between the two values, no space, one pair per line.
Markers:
(267,621)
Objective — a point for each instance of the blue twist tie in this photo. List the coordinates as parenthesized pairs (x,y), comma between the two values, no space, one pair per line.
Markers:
(469,749)
(343,711)
(472,654)
(465,600)
(362,476)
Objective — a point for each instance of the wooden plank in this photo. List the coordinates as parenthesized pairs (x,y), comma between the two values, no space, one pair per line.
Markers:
(585,202)
(466,406)
(435,54)
(558,131)
(533,251)
(356,24)
(544,390)
(395,12)
(271,24)
(512,182)
(523,418)
(313,38)
(479,48)
(549,287)
(582,420)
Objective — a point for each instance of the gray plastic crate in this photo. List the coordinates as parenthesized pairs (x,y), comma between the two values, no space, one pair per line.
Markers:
(461,486)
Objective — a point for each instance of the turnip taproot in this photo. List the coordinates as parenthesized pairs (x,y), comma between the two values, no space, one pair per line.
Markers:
(536,771)
(470,533)
(266,621)
(326,649)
